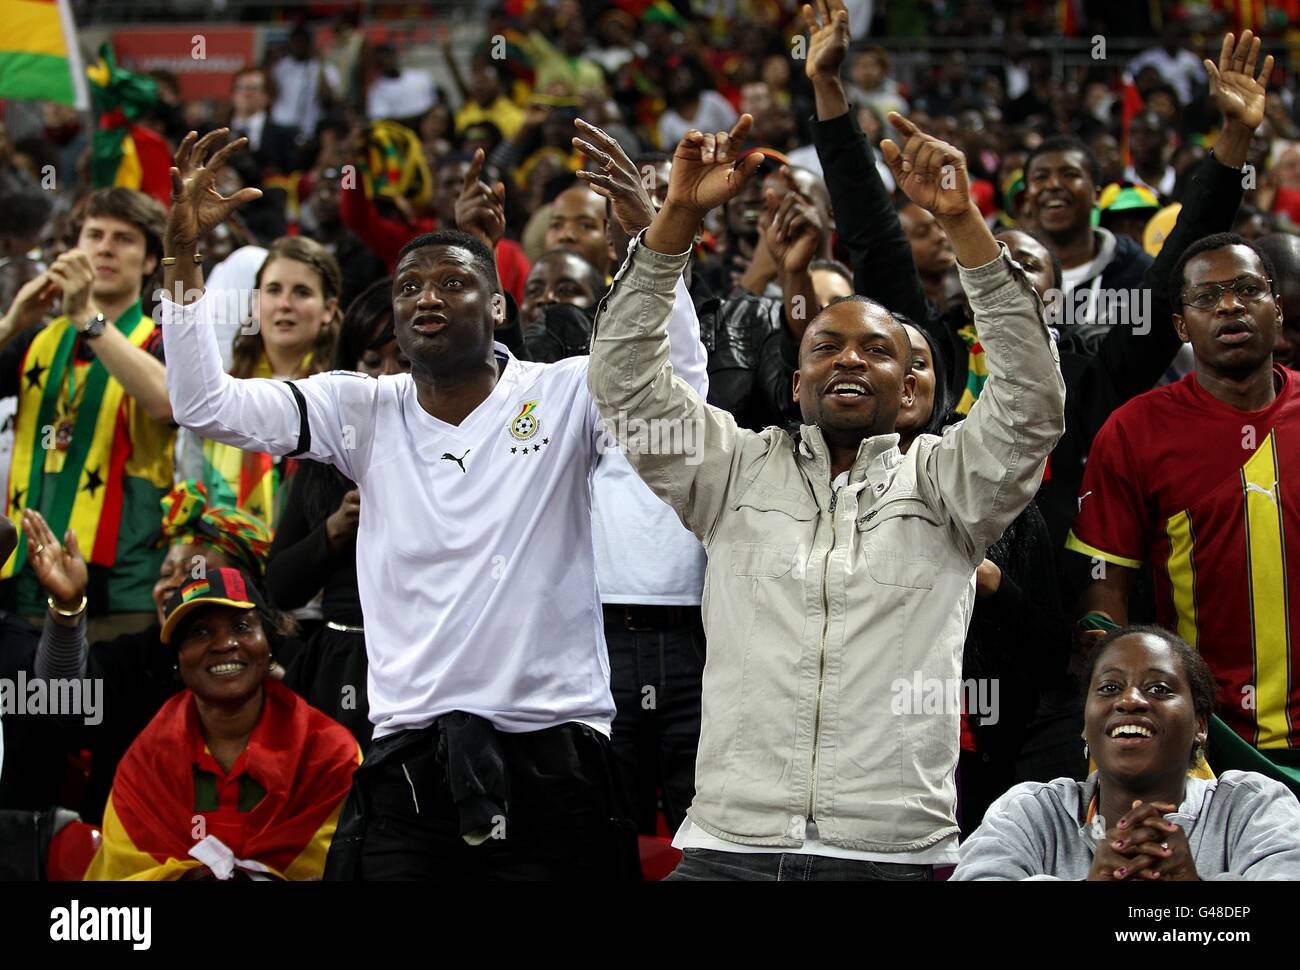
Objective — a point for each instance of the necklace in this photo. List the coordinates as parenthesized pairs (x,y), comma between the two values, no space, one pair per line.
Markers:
(70,396)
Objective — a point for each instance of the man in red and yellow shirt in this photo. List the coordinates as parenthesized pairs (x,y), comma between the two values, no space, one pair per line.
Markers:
(1192,478)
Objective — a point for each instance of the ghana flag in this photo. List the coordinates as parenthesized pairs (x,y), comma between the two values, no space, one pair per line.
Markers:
(278,805)
(123,152)
(39,60)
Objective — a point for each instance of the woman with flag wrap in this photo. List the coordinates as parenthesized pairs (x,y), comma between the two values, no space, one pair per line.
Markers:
(236,774)
(138,674)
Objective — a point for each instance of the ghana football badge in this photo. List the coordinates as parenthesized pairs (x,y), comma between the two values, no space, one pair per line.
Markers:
(524,427)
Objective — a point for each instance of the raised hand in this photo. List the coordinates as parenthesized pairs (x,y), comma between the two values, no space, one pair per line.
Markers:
(791,227)
(930,172)
(705,172)
(74,275)
(617,179)
(196,205)
(32,303)
(60,568)
(1237,92)
(828,37)
(481,208)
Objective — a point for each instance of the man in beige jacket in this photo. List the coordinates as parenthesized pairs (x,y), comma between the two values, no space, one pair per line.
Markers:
(841,571)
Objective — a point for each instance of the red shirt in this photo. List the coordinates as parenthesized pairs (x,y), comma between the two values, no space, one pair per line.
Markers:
(1198,488)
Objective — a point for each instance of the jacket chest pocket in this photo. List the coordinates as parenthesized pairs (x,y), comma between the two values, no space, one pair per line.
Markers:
(761,560)
(902,542)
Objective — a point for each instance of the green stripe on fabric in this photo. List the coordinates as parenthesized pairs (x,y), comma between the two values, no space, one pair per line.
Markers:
(135,570)
(36,77)
(61,360)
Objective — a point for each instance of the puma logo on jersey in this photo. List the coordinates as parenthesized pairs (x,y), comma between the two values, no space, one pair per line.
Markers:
(448,456)
(1253,487)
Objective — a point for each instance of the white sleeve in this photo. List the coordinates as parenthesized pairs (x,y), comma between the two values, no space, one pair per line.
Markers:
(325,417)
(685,351)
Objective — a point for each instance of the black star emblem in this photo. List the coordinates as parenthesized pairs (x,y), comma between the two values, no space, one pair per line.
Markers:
(93,482)
(514,451)
(33,375)
(537,447)
(255,510)
(18,498)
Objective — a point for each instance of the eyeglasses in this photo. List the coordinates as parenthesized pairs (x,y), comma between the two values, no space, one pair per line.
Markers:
(1206,296)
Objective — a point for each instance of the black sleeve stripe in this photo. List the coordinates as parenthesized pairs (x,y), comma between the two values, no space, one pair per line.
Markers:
(304,429)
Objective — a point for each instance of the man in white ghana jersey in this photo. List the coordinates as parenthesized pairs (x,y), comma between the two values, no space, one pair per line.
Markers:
(488,673)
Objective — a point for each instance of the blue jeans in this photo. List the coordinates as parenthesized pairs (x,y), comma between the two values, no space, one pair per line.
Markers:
(708,865)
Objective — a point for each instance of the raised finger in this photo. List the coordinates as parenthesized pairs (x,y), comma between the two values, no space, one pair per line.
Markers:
(740,130)
(809,17)
(902,125)
(598,181)
(178,185)
(722,147)
(1243,49)
(471,174)
(1266,71)
(205,144)
(592,152)
(1225,53)
(223,153)
(1252,56)
(185,148)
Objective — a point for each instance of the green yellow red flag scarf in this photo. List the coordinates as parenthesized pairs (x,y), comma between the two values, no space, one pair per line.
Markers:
(278,805)
(123,152)
(88,485)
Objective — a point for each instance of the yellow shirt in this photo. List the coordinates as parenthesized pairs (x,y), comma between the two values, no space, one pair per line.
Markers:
(504,113)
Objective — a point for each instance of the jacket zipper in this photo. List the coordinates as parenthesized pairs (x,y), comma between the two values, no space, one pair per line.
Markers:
(821,660)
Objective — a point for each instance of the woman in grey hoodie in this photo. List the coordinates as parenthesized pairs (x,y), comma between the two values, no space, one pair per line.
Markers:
(1140,815)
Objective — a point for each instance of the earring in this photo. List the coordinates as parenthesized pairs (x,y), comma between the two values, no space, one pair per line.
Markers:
(1086,755)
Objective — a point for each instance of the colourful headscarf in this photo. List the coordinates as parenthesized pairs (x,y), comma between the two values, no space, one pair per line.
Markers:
(188,518)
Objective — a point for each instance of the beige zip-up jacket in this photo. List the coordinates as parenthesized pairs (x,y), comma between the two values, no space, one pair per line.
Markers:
(818,604)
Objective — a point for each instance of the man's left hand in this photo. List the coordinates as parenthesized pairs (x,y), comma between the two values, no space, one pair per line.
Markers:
(705,172)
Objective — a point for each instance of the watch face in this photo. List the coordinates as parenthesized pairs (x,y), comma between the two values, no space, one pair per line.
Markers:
(96,326)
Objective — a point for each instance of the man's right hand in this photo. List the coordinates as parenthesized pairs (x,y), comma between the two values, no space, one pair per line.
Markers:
(791,227)
(828,38)
(196,205)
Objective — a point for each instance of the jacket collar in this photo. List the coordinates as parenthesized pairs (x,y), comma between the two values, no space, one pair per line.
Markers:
(879,450)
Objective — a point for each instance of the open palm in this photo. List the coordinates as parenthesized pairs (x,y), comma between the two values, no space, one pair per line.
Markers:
(196,205)
(60,568)
(1236,91)
(828,37)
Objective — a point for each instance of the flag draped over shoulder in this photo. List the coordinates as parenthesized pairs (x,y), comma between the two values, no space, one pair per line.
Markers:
(278,805)
(39,60)
(123,152)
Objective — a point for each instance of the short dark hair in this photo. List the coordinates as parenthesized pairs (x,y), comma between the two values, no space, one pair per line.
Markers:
(483,259)
(358,328)
(859,298)
(941,353)
(1065,143)
(1219,240)
(591,276)
(127,205)
(834,265)
(25,212)
(1199,676)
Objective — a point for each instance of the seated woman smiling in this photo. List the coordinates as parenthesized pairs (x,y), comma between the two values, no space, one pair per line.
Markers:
(236,775)
(1140,815)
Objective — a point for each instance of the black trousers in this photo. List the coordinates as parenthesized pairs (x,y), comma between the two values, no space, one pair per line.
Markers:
(564,820)
(656,662)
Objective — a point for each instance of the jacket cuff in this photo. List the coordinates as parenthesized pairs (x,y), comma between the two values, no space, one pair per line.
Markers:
(645,269)
(997,281)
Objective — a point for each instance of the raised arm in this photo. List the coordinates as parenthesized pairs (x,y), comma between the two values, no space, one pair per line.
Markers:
(690,458)
(865,219)
(986,471)
(1133,358)
(613,177)
(275,417)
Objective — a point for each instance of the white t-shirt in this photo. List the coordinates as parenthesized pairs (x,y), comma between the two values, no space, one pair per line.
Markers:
(475,562)
(410,93)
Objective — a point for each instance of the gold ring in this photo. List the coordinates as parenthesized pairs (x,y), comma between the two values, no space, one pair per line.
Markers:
(40,547)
